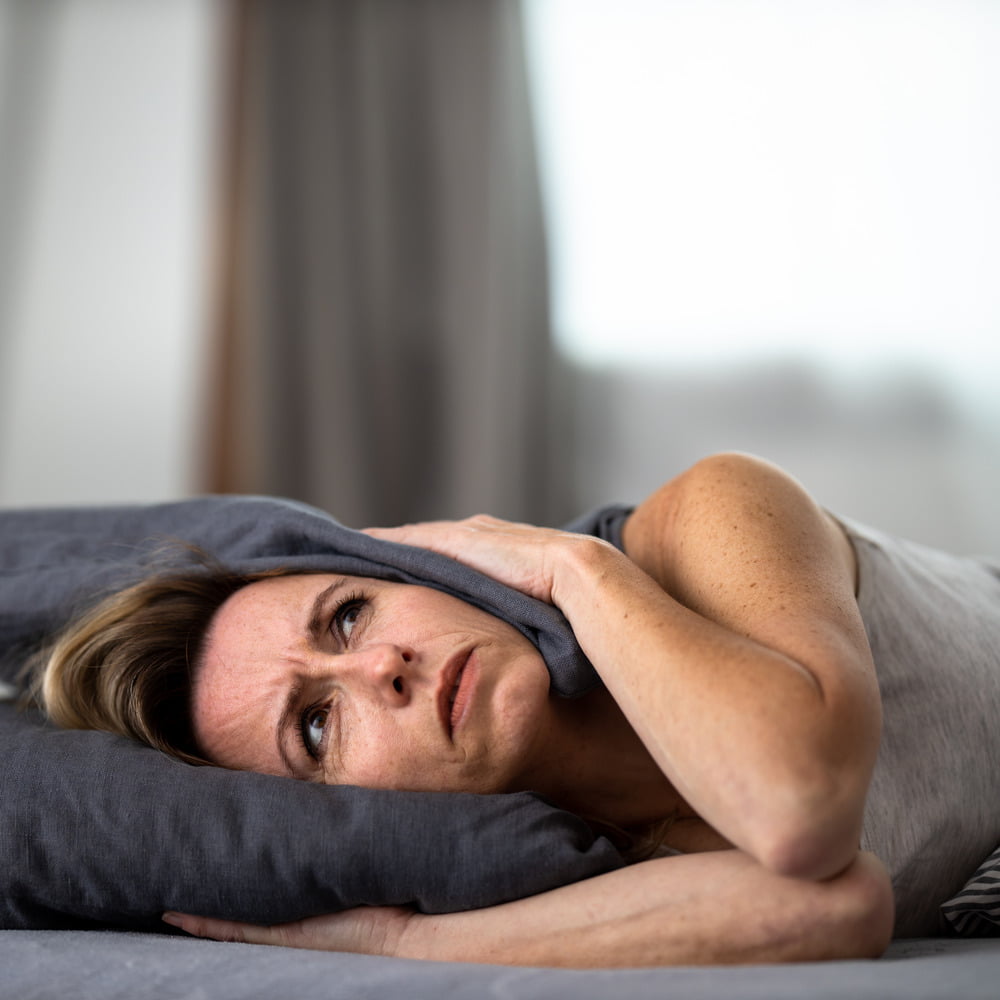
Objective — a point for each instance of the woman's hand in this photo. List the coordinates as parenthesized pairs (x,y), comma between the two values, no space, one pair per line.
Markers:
(522,556)
(366,930)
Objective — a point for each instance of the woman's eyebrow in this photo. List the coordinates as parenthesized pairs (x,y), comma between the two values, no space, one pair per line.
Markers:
(316,625)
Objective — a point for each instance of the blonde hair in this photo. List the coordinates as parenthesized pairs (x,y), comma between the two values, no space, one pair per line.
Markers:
(127,665)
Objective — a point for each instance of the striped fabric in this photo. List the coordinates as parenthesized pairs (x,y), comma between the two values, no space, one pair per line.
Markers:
(975,911)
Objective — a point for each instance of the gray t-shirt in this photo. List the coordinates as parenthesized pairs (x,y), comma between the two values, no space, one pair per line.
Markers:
(933,810)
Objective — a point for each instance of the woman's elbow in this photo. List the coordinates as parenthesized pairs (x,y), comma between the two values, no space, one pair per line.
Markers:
(806,853)
(863,911)
(814,836)
(849,916)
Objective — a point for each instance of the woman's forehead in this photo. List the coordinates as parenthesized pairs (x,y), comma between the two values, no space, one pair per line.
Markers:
(250,652)
(266,606)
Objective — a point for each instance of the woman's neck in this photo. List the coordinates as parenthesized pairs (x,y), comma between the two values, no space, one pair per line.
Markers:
(598,767)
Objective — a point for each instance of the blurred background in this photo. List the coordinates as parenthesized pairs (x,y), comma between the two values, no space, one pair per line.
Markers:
(415,258)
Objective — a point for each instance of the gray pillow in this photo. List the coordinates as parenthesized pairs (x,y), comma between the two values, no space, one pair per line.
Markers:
(53,563)
(96,830)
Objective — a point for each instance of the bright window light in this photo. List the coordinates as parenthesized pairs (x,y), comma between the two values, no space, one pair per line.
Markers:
(741,179)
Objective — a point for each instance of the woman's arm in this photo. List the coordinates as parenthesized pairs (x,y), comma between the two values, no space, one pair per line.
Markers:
(720,907)
(732,643)
(765,710)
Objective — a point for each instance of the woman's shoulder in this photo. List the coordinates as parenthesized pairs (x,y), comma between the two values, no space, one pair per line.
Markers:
(716,487)
(730,511)
(727,477)
(710,477)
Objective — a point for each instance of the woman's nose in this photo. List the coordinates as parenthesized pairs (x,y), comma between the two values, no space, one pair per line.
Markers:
(385,667)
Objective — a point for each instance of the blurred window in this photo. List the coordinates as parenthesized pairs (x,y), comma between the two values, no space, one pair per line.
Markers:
(734,180)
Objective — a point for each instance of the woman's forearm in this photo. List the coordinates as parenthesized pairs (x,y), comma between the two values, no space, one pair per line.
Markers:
(720,907)
(699,909)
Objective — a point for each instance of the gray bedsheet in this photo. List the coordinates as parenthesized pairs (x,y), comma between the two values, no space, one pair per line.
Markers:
(80,965)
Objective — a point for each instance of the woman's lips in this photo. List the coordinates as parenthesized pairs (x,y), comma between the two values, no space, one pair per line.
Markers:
(447,694)
(455,690)
(462,693)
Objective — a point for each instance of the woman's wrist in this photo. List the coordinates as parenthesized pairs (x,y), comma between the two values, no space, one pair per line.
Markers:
(583,566)
(592,578)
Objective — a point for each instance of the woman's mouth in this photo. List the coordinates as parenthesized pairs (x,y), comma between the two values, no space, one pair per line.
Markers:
(455,691)
(461,693)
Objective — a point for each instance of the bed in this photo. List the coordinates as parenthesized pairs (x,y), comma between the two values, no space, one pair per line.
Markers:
(98,836)
(39,965)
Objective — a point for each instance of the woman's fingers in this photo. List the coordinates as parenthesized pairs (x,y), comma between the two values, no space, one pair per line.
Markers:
(370,930)
(519,555)
(227,930)
(452,537)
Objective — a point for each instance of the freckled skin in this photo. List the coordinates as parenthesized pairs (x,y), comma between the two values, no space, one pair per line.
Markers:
(381,687)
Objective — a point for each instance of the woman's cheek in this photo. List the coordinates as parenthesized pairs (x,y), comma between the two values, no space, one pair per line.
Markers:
(382,758)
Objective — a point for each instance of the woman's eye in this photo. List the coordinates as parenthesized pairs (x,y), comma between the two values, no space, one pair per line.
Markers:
(346,617)
(313,724)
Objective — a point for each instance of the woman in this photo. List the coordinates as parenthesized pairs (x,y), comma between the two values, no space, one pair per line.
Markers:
(738,724)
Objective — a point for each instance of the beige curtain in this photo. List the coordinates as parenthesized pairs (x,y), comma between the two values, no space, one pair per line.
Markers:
(383,319)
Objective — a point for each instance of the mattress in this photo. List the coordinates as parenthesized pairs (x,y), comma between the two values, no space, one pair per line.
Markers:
(111,965)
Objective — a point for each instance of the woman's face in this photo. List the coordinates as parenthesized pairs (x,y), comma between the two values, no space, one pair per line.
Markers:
(347,680)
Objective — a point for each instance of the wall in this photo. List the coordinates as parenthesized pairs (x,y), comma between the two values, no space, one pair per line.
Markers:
(104,140)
